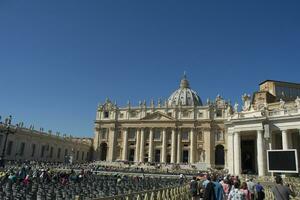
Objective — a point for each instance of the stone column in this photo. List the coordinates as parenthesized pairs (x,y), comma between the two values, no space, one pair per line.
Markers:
(237,153)
(173,147)
(290,140)
(230,154)
(150,154)
(179,147)
(112,144)
(192,146)
(209,146)
(260,153)
(164,146)
(125,145)
(137,145)
(285,144)
(142,147)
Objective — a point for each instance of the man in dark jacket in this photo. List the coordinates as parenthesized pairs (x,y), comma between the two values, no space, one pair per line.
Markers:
(209,192)
(194,188)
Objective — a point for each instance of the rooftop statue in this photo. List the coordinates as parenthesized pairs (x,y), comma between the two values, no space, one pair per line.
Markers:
(297,102)
(281,104)
(247,102)
(236,107)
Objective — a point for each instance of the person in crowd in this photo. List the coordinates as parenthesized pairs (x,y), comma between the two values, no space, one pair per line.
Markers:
(260,192)
(209,192)
(194,188)
(251,187)
(235,193)
(244,189)
(206,181)
(280,191)
(218,188)
(181,179)
(226,187)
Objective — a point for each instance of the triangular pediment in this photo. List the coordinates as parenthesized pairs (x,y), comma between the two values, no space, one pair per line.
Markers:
(158,116)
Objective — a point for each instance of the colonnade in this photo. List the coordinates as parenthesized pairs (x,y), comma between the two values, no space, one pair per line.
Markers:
(234,144)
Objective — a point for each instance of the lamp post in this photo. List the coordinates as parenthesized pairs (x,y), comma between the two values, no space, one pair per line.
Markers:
(6,130)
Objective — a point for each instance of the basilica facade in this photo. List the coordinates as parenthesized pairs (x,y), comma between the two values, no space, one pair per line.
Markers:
(183,130)
(180,129)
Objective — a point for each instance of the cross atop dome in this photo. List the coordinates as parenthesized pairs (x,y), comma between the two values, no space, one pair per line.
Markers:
(184,83)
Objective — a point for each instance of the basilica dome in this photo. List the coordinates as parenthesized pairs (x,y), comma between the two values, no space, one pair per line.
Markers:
(184,95)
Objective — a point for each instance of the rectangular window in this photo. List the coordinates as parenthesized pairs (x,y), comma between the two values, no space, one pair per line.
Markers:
(9,148)
(121,115)
(51,152)
(58,152)
(103,133)
(219,113)
(22,148)
(156,134)
(131,134)
(32,150)
(106,114)
(82,155)
(185,136)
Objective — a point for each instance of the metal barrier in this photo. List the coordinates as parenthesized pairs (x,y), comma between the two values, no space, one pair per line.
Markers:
(170,193)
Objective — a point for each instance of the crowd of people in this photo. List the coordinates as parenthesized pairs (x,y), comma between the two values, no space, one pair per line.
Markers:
(36,179)
(42,181)
(227,187)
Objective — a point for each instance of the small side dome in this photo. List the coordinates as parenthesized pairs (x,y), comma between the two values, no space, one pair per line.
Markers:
(184,95)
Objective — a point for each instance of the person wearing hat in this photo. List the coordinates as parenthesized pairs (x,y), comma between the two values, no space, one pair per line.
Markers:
(282,192)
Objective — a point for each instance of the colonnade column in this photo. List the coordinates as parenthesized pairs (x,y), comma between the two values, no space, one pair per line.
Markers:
(142,147)
(179,151)
(173,147)
(230,154)
(125,145)
(260,153)
(150,154)
(285,144)
(192,146)
(137,145)
(237,153)
(112,144)
(164,146)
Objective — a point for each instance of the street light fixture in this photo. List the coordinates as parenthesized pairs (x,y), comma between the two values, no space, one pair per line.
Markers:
(6,129)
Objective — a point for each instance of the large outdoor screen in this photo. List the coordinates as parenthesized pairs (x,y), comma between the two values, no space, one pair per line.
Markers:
(283,161)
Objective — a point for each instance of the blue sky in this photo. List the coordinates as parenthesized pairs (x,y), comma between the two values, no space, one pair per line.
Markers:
(59,59)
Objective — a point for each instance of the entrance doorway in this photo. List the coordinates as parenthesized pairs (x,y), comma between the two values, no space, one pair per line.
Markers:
(146,158)
(157,155)
(103,151)
(219,156)
(248,156)
(168,158)
(131,155)
(185,156)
